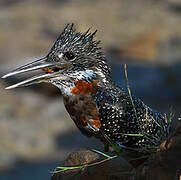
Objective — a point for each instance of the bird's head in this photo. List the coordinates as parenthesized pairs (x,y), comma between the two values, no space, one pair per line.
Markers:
(72,53)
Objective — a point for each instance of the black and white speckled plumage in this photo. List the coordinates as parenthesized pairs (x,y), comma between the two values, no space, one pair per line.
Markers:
(118,119)
(114,106)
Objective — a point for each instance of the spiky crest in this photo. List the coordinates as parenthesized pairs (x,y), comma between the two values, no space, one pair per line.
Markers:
(79,43)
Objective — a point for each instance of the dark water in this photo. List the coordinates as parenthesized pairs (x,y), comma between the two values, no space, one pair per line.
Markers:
(30,171)
(158,87)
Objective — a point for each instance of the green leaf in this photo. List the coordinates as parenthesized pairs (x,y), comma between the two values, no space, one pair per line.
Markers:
(99,152)
(68,168)
(133,135)
(129,90)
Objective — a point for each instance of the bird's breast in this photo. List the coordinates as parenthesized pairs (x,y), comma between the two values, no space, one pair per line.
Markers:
(81,106)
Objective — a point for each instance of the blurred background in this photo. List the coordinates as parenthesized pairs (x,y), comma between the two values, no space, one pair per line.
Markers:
(36,133)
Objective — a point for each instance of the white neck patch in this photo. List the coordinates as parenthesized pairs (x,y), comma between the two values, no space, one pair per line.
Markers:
(82,75)
(87,74)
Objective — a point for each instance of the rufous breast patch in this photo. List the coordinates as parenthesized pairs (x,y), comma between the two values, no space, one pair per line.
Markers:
(83,87)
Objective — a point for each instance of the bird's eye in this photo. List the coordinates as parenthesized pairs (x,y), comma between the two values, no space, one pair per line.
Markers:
(69,55)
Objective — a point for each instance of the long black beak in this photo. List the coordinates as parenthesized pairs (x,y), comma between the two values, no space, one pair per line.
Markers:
(35,65)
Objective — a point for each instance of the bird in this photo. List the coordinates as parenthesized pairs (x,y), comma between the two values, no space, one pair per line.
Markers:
(77,65)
